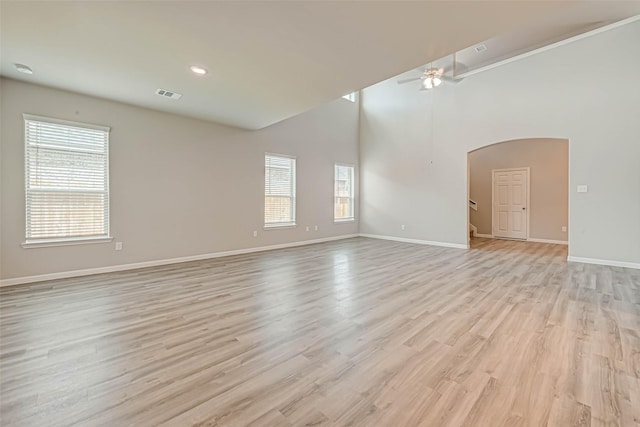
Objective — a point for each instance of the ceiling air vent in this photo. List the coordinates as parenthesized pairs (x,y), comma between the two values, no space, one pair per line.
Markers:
(480,48)
(168,94)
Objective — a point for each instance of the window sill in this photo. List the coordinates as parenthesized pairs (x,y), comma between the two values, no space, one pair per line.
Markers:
(64,242)
(338,221)
(278,226)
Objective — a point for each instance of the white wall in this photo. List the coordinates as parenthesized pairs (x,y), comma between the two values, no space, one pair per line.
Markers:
(413,145)
(179,187)
(548,163)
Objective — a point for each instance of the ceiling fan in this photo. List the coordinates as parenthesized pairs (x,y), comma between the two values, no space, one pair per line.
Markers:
(432,76)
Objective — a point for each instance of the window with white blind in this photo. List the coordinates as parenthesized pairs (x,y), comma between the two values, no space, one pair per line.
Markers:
(279,190)
(66,180)
(343,207)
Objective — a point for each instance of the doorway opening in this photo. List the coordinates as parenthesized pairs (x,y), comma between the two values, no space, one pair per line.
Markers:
(519,189)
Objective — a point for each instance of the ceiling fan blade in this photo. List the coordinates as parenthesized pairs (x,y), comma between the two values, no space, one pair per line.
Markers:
(455,67)
(450,79)
(447,70)
(413,79)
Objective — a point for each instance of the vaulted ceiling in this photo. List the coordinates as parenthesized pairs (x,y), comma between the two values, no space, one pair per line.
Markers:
(267,61)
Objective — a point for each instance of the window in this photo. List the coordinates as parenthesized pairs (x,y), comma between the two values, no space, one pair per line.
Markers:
(66,180)
(350,97)
(279,190)
(343,202)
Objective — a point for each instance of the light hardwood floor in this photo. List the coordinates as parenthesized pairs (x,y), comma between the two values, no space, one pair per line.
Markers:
(355,332)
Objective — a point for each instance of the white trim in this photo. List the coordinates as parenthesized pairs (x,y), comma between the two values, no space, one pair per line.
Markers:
(549,47)
(530,239)
(555,242)
(133,266)
(468,196)
(351,165)
(43,119)
(608,262)
(279,225)
(419,242)
(569,181)
(288,156)
(473,229)
(65,242)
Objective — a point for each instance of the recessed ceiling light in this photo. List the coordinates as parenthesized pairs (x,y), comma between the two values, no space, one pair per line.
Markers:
(23,68)
(198,70)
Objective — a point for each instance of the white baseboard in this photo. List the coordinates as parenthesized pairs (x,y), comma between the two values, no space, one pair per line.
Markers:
(530,239)
(555,242)
(154,263)
(419,242)
(133,266)
(473,229)
(608,262)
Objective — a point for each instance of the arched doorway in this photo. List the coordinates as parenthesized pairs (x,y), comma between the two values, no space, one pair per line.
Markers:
(519,189)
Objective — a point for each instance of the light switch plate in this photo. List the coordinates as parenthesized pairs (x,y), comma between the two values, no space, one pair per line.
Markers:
(582,188)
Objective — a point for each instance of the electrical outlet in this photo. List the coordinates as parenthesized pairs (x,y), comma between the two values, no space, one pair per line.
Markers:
(582,188)
(564,228)
(118,246)
(402,227)
(307,228)
(316,228)
(255,233)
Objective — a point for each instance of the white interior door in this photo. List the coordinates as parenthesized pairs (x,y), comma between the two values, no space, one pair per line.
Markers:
(510,200)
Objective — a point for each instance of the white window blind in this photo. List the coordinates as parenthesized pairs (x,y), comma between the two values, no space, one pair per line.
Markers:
(344,193)
(279,190)
(67,180)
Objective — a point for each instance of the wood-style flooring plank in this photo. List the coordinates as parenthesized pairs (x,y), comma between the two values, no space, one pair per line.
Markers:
(358,332)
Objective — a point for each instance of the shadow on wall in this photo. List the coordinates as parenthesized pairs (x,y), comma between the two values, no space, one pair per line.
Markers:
(548,161)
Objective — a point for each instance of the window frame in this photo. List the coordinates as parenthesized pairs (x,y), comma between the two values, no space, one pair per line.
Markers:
(293,197)
(351,96)
(352,197)
(65,240)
